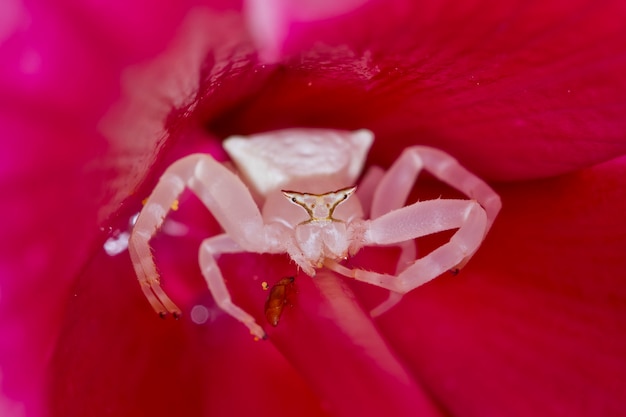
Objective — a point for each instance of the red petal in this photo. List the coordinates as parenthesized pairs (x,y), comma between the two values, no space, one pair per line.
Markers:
(60,177)
(334,345)
(130,362)
(270,21)
(516,90)
(536,320)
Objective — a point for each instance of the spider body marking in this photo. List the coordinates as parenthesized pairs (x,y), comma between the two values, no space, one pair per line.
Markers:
(316,227)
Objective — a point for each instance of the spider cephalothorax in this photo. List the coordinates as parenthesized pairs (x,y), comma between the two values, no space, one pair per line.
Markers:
(327,226)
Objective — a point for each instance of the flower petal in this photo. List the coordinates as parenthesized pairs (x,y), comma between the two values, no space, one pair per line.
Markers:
(60,177)
(536,320)
(333,343)
(336,362)
(270,21)
(516,90)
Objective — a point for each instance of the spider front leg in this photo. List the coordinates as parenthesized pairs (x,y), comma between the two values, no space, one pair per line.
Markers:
(421,219)
(147,224)
(391,194)
(230,202)
(394,188)
(366,191)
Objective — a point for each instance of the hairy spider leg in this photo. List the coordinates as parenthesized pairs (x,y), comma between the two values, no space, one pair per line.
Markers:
(445,168)
(230,202)
(366,191)
(394,188)
(147,224)
(392,192)
(421,219)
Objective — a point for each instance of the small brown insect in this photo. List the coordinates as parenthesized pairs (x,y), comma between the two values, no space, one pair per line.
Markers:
(280,295)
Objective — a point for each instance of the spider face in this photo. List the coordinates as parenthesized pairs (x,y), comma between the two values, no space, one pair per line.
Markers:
(322,236)
(320,207)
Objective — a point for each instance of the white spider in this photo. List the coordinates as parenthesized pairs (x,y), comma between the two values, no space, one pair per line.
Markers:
(321,223)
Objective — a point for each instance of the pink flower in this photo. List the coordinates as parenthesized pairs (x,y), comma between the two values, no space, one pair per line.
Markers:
(98,98)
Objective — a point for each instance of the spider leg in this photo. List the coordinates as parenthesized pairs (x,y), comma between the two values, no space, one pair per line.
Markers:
(394,188)
(408,253)
(369,196)
(367,187)
(210,250)
(375,203)
(366,192)
(420,219)
(230,202)
(148,222)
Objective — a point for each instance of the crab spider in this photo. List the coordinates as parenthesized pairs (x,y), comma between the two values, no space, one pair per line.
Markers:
(293,193)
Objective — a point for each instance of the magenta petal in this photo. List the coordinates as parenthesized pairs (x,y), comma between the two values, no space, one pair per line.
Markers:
(516,90)
(270,21)
(536,320)
(336,348)
(130,362)
(59,176)
(115,356)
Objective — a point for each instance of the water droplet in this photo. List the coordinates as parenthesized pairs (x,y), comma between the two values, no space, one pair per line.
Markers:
(116,244)
(199,314)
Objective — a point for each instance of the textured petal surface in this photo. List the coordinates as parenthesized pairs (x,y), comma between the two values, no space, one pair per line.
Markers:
(60,177)
(537,320)
(520,89)
(325,358)
(272,21)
